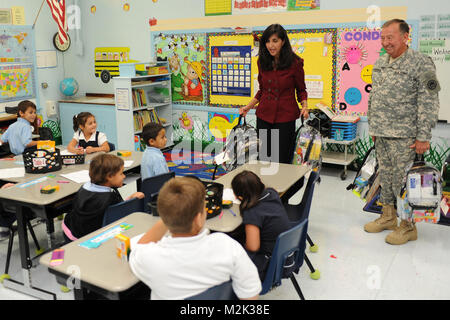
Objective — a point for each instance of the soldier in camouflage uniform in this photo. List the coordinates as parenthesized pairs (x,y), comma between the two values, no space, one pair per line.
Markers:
(403,108)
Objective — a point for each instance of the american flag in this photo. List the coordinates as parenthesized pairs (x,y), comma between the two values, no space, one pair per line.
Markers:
(58,9)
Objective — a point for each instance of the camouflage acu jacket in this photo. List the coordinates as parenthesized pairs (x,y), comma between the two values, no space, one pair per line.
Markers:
(404,99)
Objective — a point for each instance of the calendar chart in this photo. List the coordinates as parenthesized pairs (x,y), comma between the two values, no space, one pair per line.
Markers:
(231,68)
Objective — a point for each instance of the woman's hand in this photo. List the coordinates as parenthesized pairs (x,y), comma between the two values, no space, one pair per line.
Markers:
(244,110)
(304,112)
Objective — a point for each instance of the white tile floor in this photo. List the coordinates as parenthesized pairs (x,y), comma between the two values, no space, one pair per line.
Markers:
(364,267)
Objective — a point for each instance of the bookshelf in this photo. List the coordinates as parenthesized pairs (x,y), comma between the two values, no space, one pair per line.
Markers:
(140,100)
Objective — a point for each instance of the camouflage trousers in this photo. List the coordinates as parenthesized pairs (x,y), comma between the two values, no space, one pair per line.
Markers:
(394,157)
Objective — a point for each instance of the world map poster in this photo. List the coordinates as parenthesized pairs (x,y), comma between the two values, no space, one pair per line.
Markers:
(16,64)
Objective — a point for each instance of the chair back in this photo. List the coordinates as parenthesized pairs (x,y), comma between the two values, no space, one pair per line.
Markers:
(301,210)
(292,240)
(122,209)
(112,146)
(222,291)
(152,185)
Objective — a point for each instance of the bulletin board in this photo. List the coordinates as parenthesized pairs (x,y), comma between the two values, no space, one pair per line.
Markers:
(317,47)
(232,69)
(186,53)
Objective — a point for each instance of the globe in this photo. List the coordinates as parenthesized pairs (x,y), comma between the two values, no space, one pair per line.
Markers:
(69,86)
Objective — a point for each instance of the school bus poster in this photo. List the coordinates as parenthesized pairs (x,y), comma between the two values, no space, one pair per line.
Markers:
(107,60)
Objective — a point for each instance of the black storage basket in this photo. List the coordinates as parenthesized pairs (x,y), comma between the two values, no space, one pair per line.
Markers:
(42,161)
(214,195)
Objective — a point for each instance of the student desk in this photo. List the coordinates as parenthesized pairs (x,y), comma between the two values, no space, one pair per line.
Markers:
(99,269)
(43,206)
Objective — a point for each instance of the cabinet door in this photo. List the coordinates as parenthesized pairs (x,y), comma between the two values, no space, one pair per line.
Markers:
(105,115)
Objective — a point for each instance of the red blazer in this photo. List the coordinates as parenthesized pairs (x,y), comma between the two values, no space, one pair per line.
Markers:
(277,90)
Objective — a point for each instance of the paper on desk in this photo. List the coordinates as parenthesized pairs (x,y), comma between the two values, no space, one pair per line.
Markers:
(128,163)
(12,172)
(81,176)
(66,153)
(228,194)
(221,158)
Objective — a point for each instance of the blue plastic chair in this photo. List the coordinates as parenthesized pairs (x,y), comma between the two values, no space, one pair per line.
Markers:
(122,209)
(112,146)
(152,185)
(299,212)
(292,240)
(222,291)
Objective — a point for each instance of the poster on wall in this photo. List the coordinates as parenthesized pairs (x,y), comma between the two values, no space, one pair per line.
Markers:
(317,47)
(231,70)
(186,54)
(301,5)
(17,78)
(220,125)
(217,7)
(358,50)
(258,6)
(439,51)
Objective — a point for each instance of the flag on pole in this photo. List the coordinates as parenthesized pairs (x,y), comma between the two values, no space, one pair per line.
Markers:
(58,9)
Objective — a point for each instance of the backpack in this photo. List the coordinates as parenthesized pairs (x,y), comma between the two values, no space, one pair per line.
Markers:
(308,147)
(242,145)
(421,194)
(366,175)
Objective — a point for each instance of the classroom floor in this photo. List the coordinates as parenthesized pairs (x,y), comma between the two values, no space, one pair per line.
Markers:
(353,264)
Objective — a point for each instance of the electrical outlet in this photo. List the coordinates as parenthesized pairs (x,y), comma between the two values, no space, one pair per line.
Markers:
(51,108)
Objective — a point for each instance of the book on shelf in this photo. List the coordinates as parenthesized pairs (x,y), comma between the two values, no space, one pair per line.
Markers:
(139,98)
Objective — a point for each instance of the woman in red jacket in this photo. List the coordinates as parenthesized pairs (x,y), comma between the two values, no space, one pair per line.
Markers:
(280,78)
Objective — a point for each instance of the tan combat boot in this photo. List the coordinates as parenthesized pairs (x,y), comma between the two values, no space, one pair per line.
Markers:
(387,221)
(405,232)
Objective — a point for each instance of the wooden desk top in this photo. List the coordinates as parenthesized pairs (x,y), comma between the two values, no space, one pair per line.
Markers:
(31,194)
(7,117)
(100,266)
(279,176)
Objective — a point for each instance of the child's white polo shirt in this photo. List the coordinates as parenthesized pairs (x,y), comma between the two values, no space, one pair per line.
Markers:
(178,268)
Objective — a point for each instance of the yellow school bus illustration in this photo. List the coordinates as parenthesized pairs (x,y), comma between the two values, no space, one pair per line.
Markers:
(107,60)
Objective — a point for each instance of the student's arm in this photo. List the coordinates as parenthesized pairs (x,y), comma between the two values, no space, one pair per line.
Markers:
(138,195)
(155,233)
(252,238)
(72,147)
(104,147)
(32,144)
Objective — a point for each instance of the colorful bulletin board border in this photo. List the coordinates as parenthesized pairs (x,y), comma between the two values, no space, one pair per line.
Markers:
(317,47)
(186,53)
(242,44)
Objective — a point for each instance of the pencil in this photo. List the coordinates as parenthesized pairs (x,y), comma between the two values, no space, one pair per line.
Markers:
(232,212)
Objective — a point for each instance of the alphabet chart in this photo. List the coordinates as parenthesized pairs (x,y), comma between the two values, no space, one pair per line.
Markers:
(231,70)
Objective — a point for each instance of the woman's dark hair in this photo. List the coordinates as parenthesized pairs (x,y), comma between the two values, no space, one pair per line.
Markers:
(286,54)
(80,119)
(23,107)
(249,186)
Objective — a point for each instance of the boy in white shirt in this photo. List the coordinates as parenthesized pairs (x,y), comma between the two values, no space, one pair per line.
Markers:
(190,260)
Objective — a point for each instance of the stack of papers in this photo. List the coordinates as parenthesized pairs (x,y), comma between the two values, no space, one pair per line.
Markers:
(12,173)
(228,194)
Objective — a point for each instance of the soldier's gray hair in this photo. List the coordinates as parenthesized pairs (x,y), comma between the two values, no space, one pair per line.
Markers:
(403,25)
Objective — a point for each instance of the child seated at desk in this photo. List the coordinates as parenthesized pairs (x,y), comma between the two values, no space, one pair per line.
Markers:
(190,260)
(263,216)
(86,138)
(19,134)
(153,161)
(94,197)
